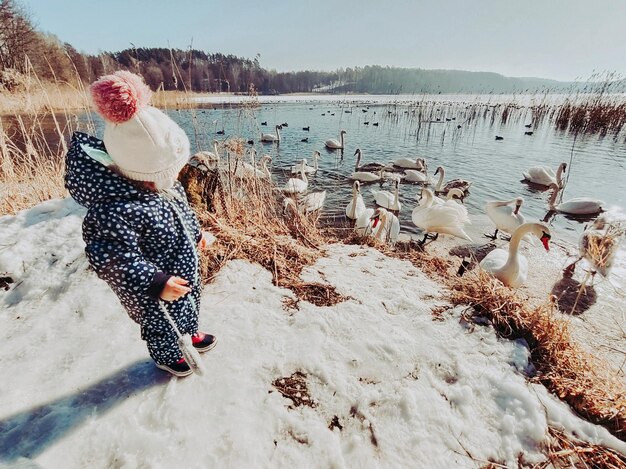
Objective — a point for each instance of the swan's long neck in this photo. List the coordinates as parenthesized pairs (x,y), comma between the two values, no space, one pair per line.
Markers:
(552,200)
(358,160)
(315,161)
(265,169)
(303,174)
(217,155)
(396,200)
(513,259)
(354,198)
(381,229)
(441,176)
(428,198)
(559,172)
(278,133)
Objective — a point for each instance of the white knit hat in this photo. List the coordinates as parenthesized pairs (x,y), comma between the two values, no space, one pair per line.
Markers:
(144,143)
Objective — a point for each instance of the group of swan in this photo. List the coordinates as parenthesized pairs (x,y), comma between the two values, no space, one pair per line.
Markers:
(378,223)
(446,217)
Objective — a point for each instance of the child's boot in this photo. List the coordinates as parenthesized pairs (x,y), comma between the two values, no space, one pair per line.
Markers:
(180,368)
(203,342)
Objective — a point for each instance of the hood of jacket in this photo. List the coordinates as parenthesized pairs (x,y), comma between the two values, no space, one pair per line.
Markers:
(88,179)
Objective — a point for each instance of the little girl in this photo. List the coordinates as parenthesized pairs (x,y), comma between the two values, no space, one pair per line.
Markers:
(141,236)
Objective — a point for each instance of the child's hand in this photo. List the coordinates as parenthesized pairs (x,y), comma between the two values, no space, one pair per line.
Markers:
(175,288)
(202,243)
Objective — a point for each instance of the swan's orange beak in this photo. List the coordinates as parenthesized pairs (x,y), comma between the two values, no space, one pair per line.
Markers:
(545,239)
(376,219)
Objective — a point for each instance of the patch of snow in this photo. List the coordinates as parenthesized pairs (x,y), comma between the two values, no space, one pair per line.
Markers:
(407,391)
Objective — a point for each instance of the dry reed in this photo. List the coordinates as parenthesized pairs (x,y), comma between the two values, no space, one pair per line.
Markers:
(247,219)
(586,383)
(565,452)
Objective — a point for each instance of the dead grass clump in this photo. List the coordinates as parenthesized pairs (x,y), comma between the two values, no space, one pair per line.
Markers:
(246,217)
(295,388)
(583,381)
(564,452)
(319,294)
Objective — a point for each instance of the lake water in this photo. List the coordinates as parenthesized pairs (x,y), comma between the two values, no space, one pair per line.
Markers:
(596,166)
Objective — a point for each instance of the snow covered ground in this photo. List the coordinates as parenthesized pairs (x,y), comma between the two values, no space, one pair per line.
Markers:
(404,390)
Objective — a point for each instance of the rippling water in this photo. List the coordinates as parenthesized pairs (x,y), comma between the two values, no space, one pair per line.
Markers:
(596,167)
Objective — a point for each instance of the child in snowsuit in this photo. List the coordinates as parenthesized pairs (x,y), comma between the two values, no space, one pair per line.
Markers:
(141,236)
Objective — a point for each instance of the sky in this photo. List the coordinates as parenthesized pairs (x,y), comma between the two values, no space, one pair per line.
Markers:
(558,39)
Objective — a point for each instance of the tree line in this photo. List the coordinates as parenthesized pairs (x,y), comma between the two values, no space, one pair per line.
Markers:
(23,49)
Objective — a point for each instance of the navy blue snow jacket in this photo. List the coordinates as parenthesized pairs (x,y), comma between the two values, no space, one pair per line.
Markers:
(136,239)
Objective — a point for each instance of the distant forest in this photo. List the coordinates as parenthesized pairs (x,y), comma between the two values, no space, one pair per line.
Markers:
(23,49)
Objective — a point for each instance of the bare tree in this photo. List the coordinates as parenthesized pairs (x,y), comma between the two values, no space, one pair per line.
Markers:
(16,35)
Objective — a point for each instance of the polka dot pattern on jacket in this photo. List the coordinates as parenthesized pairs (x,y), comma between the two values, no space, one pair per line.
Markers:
(135,239)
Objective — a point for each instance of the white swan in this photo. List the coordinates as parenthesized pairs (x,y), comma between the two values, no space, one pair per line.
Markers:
(413,175)
(510,267)
(335,144)
(575,206)
(453,194)
(307,169)
(446,218)
(374,166)
(418,163)
(387,199)
(380,224)
(504,216)
(314,201)
(545,176)
(356,206)
(309,203)
(295,185)
(265,159)
(207,158)
(364,223)
(243,169)
(389,228)
(365,176)
(454,184)
(271,137)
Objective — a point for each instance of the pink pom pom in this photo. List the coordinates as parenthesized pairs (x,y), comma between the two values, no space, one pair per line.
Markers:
(118,97)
